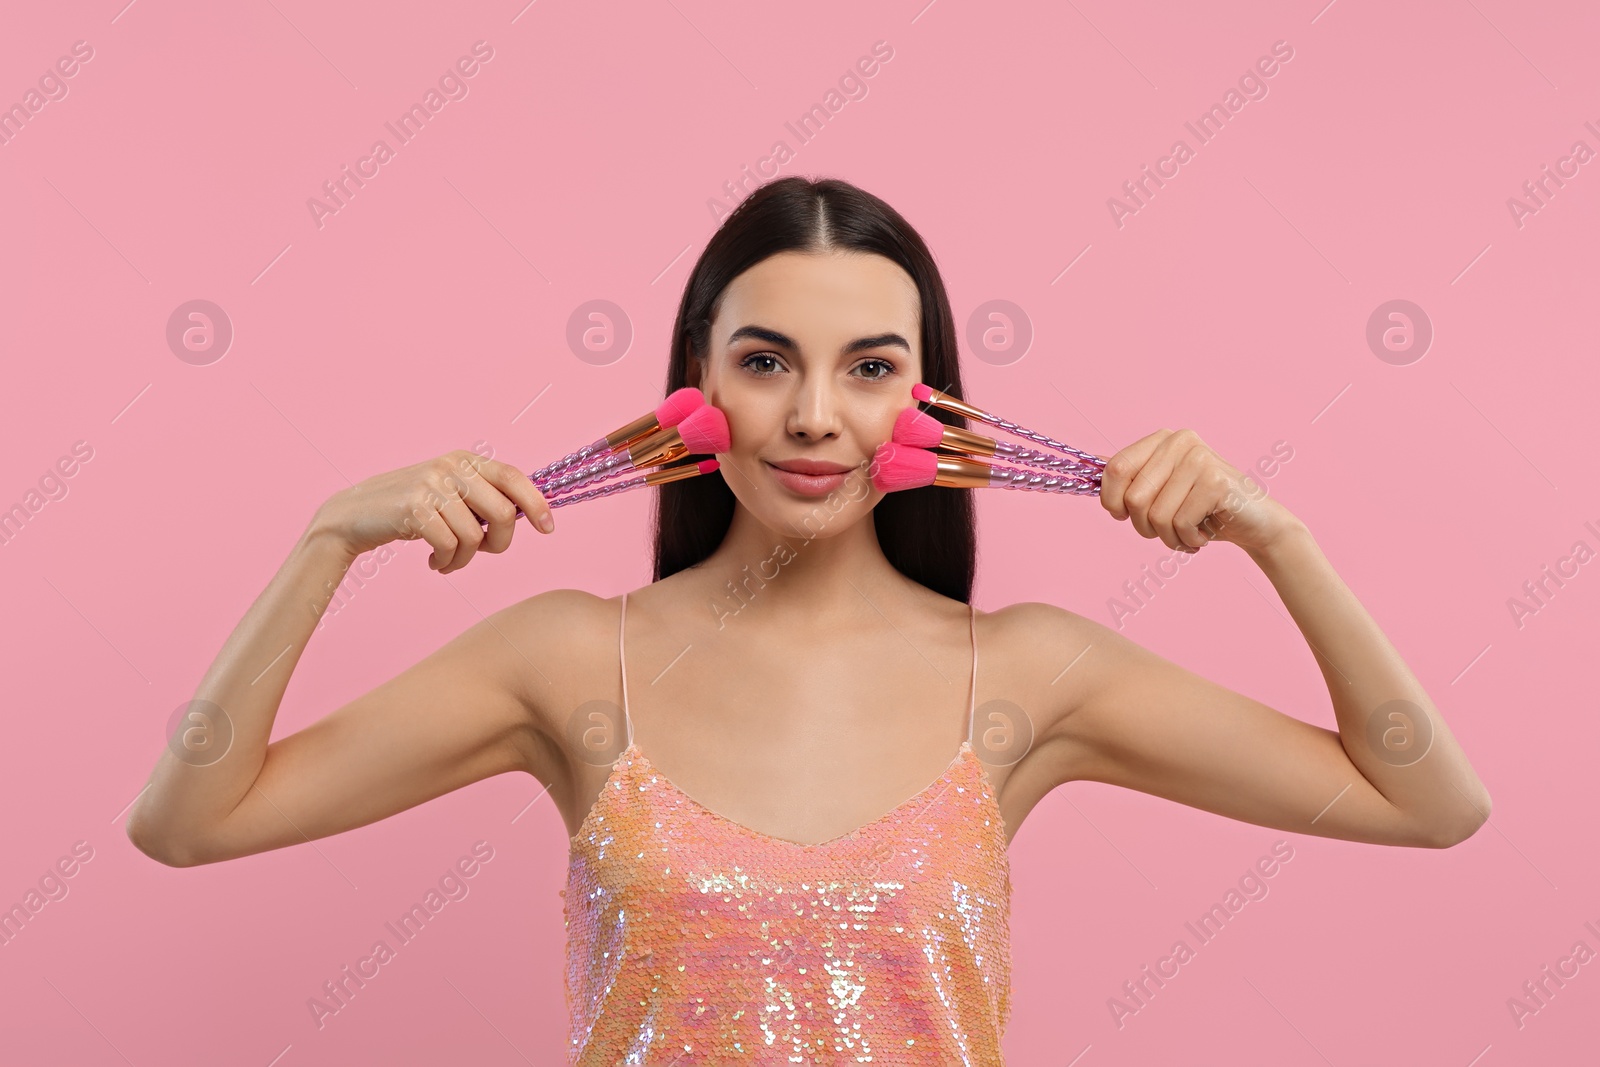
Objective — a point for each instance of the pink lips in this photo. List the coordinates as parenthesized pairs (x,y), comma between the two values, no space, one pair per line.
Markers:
(809,484)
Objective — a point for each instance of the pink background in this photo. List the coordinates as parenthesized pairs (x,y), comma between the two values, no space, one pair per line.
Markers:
(431,310)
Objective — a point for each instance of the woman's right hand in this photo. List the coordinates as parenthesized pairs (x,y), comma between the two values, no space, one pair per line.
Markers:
(440,500)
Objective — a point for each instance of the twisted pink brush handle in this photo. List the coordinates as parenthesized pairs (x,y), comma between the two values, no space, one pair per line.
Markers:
(586,473)
(1046,459)
(604,490)
(569,459)
(1015,478)
(1039,438)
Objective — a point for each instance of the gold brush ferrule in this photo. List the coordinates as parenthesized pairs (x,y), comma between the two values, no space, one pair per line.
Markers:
(657,448)
(673,472)
(956,473)
(637,428)
(973,444)
(940,398)
(674,451)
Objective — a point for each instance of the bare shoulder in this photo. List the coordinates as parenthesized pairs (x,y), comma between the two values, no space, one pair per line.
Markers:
(1040,658)
(1038,645)
(1072,656)
(1041,637)
(1034,621)
(561,646)
(563,618)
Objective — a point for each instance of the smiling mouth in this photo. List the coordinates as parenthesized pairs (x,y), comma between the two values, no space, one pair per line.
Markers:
(808,484)
(820,473)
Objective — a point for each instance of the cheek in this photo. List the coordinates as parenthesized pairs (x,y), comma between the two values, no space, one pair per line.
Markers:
(753,419)
(875,424)
(744,426)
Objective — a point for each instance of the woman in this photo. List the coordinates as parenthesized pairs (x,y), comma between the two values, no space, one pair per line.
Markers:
(789,813)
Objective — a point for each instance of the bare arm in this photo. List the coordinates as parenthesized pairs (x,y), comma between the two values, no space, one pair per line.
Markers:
(461,714)
(1391,774)
(1388,726)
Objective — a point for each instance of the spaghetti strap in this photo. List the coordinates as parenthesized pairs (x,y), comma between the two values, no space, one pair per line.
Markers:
(972,698)
(622,660)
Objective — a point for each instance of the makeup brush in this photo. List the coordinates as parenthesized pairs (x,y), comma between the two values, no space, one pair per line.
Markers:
(705,429)
(921,430)
(670,412)
(672,472)
(904,467)
(929,395)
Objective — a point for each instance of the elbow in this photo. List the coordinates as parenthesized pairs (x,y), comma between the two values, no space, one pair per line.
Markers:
(1451,836)
(160,847)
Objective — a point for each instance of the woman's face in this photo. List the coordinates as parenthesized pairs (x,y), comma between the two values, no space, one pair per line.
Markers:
(812,357)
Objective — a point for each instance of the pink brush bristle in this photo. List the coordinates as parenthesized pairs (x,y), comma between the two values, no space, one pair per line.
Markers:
(705,429)
(707,465)
(903,467)
(917,429)
(678,405)
(921,392)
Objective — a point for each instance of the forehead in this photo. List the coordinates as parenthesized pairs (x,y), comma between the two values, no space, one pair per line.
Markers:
(822,299)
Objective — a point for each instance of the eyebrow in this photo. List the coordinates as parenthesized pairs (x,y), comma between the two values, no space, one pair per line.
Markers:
(860,344)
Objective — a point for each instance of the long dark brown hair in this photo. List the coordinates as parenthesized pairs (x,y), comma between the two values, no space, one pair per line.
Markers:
(927,534)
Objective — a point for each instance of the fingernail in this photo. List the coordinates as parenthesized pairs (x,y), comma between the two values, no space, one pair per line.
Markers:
(546,523)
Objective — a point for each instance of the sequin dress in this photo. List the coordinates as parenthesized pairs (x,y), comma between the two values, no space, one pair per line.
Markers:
(695,940)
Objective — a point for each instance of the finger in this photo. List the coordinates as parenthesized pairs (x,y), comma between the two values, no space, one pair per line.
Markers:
(1121,469)
(494,512)
(428,524)
(1146,485)
(515,484)
(468,533)
(1194,522)
(1180,487)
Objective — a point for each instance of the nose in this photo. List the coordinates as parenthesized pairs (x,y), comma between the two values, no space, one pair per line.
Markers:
(814,415)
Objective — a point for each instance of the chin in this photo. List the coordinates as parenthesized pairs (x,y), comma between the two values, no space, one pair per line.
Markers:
(824,516)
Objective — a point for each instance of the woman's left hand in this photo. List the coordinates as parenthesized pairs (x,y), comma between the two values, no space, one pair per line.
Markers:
(1173,486)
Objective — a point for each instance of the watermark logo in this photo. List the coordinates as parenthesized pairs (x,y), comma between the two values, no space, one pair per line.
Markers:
(51,486)
(1139,592)
(1538,192)
(852,86)
(1538,992)
(452,85)
(1002,733)
(451,887)
(199,332)
(598,732)
(1399,732)
(857,486)
(1540,590)
(199,732)
(1137,993)
(52,87)
(1252,85)
(999,332)
(599,332)
(51,888)
(1399,332)
(337,596)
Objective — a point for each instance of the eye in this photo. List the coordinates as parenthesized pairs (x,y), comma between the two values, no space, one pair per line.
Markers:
(747,362)
(888,369)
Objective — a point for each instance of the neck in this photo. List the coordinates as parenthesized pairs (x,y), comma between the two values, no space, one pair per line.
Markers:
(816,573)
